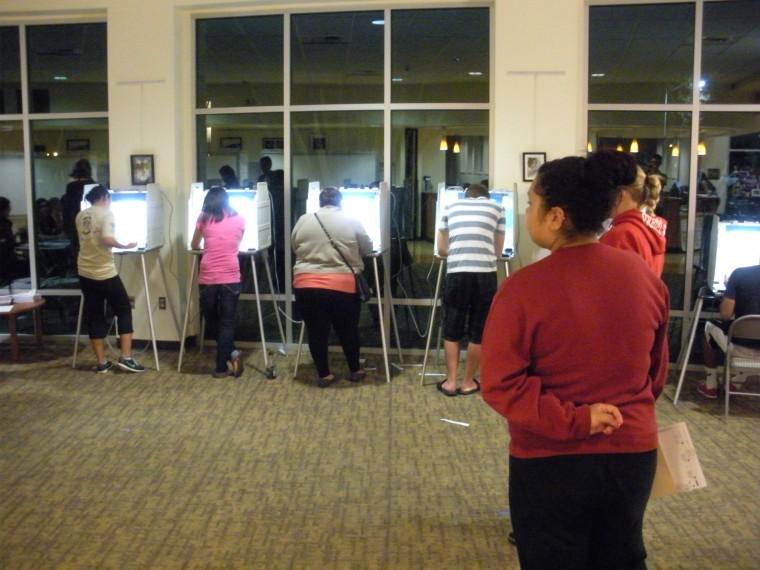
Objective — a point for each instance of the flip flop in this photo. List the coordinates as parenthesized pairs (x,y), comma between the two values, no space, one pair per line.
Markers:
(472,391)
(444,391)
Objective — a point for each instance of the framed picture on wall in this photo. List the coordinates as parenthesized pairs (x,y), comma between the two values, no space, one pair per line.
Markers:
(143,171)
(532,161)
(272,144)
(231,143)
(77,145)
(318,142)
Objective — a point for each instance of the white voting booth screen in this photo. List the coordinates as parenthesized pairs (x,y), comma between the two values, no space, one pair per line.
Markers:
(138,215)
(734,245)
(505,197)
(363,204)
(252,205)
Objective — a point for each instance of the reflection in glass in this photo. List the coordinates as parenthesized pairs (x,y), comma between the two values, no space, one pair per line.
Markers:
(641,53)
(420,162)
(730,58)
(67,68)
(337,58)
(239,62)
(729,171)
(440,55)
(14,234)
(67,154)
(241,150)
(10,71)
(664,149)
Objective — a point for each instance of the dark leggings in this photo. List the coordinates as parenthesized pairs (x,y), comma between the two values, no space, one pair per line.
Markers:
(322,309)
(581,511)
(96,293)
(219,306)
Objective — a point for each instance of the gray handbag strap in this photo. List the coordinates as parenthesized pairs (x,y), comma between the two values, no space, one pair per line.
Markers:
(332,243)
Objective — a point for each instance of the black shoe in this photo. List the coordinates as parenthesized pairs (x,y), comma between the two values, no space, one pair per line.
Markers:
(357,376)
(130,365)
(326,381)
(103,368)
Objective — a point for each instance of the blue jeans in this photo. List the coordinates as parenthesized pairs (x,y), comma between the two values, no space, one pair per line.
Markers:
(218,305)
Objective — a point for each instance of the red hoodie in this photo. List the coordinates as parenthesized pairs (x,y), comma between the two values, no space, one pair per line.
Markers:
(640,233)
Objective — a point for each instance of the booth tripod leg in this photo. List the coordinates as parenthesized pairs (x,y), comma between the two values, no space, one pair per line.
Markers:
(432,321)
(382,320)
(150,311)
(269,370)
(274,304)
(175,318)
(187,313)
(687,355)
(79,330)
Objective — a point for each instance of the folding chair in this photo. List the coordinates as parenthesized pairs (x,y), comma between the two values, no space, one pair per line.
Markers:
(746,327)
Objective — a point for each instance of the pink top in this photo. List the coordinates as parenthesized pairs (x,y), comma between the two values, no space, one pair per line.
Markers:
(343,282)
(219,264)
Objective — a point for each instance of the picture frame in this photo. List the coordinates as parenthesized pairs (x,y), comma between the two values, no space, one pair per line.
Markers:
(143,169)
(318,142)
(231,143)
(77,145)
(273,144)
(532,161)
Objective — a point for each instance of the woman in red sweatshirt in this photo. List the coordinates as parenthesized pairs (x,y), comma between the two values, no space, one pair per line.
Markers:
(574,356)
(634,229)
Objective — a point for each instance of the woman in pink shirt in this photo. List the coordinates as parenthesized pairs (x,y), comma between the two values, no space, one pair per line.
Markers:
(221,229)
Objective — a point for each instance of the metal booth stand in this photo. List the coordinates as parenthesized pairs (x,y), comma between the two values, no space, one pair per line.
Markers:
(142,253)
(270,368)
(442,263)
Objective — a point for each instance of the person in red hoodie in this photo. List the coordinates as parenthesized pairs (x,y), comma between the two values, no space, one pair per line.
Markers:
(633,228)
(574,356)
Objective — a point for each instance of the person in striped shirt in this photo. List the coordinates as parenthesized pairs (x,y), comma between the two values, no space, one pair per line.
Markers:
(471,237)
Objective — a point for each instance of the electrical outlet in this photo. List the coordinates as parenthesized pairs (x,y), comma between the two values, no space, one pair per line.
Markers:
(162,303)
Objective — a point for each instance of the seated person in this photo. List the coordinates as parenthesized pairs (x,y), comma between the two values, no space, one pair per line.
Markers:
(8,260)
(742,297)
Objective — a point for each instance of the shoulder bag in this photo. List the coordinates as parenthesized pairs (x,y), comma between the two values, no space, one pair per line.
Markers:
(363,292)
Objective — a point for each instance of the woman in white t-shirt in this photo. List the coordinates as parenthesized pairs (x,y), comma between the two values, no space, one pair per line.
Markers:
(221,229)
(101,283)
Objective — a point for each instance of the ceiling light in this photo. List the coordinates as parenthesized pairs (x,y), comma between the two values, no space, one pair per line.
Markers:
(378,22)
(475,73)
(397,79)
(60,77)
(701,149)
(702,84)
(589,148)
(55,153)
(634,146)
(619,147)
(208,135)
(598,74)
(456,148)
(444,144)
(676,152)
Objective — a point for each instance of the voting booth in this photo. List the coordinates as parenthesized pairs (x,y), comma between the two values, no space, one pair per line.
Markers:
(732,245)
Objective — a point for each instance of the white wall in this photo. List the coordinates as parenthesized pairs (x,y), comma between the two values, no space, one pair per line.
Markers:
(538,60)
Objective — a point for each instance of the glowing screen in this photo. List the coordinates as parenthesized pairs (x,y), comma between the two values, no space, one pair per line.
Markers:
(737,245)
(362,204)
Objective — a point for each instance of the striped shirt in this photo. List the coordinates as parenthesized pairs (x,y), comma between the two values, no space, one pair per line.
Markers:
(472,224)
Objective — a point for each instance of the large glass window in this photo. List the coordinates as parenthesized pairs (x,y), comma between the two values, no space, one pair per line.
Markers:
(662,146)
(418,167)
(337,58)
(10,71)
(239,62)
(67,68)
(57,145)
(14,229)
(641,53)
(730,54)
(440,55)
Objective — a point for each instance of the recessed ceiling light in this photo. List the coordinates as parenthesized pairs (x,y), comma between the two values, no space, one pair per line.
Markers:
(598,74)
(702,83)
(397,79)
(378,22)
(475,73)
(60,77)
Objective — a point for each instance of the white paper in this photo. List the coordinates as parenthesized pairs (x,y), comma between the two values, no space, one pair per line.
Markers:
(681,459)
(456,423)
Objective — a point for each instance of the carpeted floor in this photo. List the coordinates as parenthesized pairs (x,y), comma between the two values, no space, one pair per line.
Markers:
(167,470)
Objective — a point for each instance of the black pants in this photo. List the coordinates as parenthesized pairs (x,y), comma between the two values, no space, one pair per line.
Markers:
(95,294)
(581,511)
(322,309)
(219,306)
(466,301)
